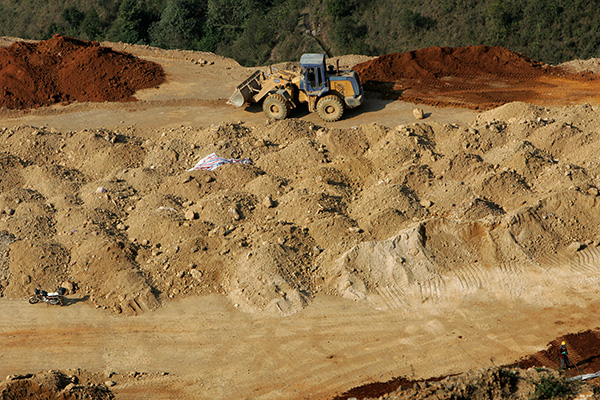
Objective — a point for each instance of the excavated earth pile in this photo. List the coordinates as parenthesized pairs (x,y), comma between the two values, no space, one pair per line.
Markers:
(55,385)
(64,70)
(403,218)
(476,77)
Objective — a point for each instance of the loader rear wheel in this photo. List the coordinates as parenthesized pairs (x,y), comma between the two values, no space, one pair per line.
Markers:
(276,106)
(330,108)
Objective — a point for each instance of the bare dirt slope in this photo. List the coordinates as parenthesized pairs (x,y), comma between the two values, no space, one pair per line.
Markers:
(370,248)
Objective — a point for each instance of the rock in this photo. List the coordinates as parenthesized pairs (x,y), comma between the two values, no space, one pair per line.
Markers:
(418,113)
(191,215)
(121,226)
(234,213)
(196,274)
(70,286)
(18,376)
(268,202)
(110,383)
(426,203)
(593,191)
(575,247)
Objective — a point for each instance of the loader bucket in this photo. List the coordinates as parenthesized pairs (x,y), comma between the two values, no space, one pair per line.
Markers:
(237,98)
(245,91)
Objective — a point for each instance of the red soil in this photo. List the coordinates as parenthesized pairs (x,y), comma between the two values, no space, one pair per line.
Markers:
(476,77)
(584,355)
(64,70)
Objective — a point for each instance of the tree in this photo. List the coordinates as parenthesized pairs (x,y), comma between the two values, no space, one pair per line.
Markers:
(413,21)
(501,19)
(339,8)
(254,45)
(132,23)
(91,25)
(73,17)
(181,24)
(225,20)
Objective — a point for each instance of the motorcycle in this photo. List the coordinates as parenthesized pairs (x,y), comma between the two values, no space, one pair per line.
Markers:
(56,298)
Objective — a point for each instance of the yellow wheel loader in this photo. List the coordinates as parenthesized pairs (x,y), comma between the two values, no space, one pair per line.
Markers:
(327,90)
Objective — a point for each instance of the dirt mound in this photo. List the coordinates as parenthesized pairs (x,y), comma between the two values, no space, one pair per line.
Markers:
(438,62)
(64,70)
(51,385)
(477,77)
(398,218)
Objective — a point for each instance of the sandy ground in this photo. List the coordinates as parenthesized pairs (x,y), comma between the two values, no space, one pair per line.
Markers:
(202,347)
(210,350)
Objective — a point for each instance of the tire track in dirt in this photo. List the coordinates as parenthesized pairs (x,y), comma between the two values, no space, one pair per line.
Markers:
(208,347)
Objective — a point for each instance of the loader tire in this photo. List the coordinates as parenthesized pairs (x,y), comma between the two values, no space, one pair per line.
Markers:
(276,106)
(330,108)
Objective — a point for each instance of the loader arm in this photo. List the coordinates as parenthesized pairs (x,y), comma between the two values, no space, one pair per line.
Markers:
(277,79)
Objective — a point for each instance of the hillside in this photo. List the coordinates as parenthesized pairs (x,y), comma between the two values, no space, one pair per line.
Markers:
(257,32)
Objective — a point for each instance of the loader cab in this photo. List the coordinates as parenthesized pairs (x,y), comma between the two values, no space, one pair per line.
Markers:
(313,81)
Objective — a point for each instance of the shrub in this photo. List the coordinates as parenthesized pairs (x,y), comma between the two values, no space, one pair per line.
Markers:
(551,387)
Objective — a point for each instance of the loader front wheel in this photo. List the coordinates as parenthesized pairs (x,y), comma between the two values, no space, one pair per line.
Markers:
(276,106)
(330,108)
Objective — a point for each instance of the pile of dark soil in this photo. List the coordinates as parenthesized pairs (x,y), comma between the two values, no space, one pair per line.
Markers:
(438,62)
(583,348)
(64,70)
(476,77)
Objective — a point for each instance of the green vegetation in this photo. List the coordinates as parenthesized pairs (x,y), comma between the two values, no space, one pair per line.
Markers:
(263,31)
(550,387)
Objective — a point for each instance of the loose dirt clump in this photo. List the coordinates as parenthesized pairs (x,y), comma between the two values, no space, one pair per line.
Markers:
(477,77)
(55,385)
(64,70)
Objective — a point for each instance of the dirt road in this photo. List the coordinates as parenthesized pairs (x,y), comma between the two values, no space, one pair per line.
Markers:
(210,350)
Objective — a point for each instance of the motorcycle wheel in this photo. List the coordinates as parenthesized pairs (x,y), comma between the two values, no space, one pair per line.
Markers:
(57,301)
(33,300)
